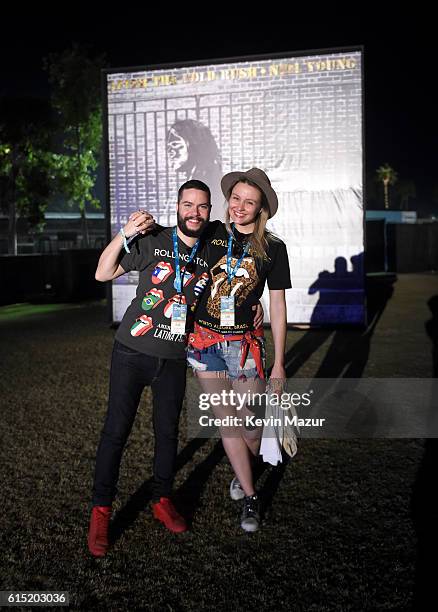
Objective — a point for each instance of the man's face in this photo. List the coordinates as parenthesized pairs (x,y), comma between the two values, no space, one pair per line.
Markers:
(193,212)
(177,150)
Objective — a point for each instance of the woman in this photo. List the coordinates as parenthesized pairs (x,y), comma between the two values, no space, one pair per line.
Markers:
(224,350)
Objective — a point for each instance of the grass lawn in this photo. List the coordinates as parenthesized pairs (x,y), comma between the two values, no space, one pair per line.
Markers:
(342,520)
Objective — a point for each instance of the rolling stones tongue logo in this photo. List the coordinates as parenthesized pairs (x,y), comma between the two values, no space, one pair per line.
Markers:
(244,281)
(141,326)
(201,284)
(152,298)
(173,300)
(186,278)
(161,272)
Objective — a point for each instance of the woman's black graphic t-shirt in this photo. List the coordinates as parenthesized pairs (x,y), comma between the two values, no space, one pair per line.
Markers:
(248,283)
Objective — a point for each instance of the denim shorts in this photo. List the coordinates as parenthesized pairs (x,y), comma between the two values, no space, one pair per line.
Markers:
(225,357)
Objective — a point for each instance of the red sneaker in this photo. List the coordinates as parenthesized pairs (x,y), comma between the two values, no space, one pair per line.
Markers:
(98,542)
(165,512)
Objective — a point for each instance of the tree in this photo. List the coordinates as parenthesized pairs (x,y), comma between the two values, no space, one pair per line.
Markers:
(388,176)
(26,164)
(75,82)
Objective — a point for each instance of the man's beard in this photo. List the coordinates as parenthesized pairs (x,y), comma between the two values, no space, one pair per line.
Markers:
(189,232)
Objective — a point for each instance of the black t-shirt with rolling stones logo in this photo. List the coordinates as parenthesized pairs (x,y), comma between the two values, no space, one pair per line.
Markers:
(248,283)
(145,326)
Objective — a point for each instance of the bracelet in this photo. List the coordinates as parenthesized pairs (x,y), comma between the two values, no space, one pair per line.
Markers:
(125,242)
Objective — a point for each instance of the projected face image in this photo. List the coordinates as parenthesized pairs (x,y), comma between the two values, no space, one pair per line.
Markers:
(177,150)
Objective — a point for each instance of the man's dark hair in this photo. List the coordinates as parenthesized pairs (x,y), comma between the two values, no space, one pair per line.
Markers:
(194,184)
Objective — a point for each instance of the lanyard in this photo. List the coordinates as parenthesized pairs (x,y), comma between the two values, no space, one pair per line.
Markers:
(178,279)
(231,272)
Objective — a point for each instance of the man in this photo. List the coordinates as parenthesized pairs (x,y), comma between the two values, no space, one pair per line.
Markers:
(149,349)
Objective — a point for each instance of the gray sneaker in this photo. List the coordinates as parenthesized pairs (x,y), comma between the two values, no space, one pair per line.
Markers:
(236,491)
(251,513)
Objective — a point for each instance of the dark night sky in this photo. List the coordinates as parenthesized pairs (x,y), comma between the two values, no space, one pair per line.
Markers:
(400,65)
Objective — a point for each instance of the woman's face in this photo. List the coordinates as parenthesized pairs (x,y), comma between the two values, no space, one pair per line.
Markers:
(177,150)
(244,204)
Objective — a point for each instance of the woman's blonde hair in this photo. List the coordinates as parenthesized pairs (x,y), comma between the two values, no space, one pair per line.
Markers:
(260,235)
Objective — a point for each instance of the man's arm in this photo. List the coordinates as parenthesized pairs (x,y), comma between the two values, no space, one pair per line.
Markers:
(108,267)
(277,313)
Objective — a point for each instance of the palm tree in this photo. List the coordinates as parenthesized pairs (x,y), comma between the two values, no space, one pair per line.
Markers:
(388,176)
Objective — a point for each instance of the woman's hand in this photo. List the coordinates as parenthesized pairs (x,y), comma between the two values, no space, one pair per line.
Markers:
(277,379)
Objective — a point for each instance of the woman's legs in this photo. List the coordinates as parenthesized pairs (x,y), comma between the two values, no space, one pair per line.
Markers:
(241,443)
(251,431)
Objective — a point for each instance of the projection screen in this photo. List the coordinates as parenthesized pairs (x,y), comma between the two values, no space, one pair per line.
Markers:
(296,116)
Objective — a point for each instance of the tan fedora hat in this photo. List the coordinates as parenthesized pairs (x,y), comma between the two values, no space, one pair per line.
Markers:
(259,178)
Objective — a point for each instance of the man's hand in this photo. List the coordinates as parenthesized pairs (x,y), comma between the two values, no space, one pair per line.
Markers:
(139,221)
(259,315)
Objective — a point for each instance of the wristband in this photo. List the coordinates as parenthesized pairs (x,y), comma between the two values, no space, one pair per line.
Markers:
(125,242)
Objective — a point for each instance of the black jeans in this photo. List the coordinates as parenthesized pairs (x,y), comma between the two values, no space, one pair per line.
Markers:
(131,371)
